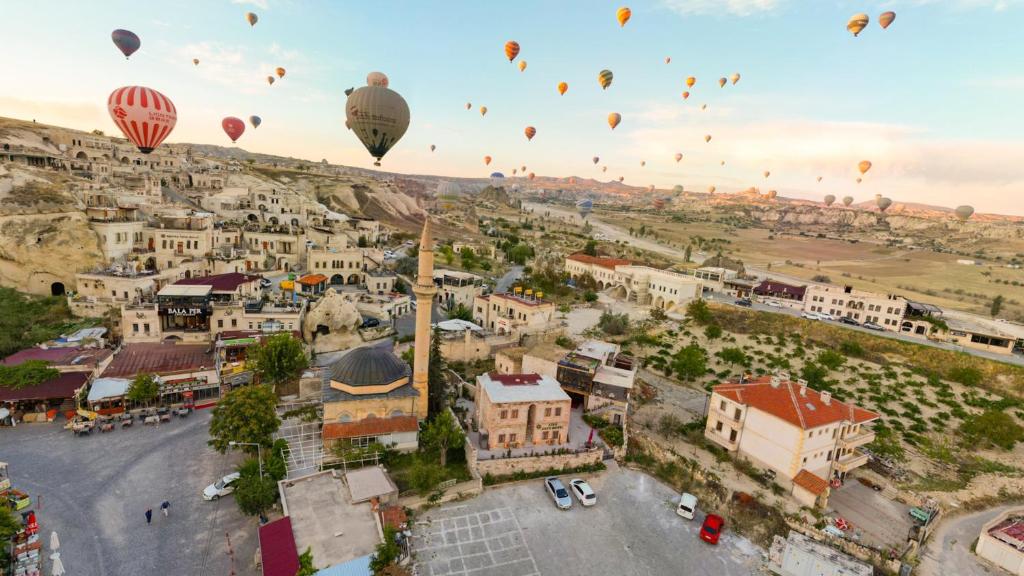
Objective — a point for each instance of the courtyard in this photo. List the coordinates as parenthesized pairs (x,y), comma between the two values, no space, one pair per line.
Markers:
(516,530)
(94,490)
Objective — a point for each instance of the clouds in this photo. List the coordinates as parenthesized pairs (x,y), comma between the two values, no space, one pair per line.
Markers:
(719,7)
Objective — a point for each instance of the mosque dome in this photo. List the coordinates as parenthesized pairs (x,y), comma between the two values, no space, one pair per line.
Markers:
(369,366)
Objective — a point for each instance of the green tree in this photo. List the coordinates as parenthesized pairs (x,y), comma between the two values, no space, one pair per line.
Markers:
(442,433)
(27,374)
(245,414)
(997,306)
(448,254)
(279,359)
(253,494)
(590,296)
(713,332)
(733,356)
(425,475)
(386,554)
(658,315)
(362,242)
(586,281)
(437,382)
(831,359)
(143,389)
(590,248)
(9,526)
(689,362)
(520,253)
(460,312)
(468,258)
(991,428)
(613,324)
(814,374)
(700,313)
(887,443)
(306,567)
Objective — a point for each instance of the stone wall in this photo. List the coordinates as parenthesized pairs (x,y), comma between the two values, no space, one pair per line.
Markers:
(505,466)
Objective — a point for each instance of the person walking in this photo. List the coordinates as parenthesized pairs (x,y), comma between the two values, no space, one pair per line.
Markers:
(149,515)
(165,508)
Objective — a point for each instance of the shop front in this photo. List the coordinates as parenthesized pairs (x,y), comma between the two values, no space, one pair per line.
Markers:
(184,309)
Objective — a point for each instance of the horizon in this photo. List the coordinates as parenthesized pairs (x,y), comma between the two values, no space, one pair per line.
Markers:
(930,100)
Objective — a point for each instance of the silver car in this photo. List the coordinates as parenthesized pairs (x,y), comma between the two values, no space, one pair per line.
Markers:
(558,492)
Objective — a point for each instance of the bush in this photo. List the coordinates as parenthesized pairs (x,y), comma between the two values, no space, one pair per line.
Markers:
(564,342)
(831,359)
(613,324)
(965,375)
(590,296)
(992,428)
(713,331)
(690,362)
(700,313)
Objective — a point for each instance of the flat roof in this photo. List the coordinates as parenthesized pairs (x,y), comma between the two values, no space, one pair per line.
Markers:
(324,519)
(227,282)
(160,358)
(1010,531)
(502,388)
(369,482)
(184,290)
(597,349)
(278,554)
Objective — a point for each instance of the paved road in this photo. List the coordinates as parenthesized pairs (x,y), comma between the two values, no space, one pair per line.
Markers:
(611,233)
(505,282)
(94,491)
(949,549)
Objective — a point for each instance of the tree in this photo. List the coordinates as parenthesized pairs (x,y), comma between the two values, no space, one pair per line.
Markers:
(992,428)
(997,306)
(519,254)
(689,362)
(613,324)
(814,374)
(437,382)
(279,359)
(831,359)
(362,242)
(245,414)
(442,433)
(700,313)
(687,253)
(143,389)
(590,248)
(448,254)
(460,312)
(886,443)
(9,526)
(658,315)
(713,331)
(590,296)
(255,495)
(821,278)
(425,475)
(386,554)
(306,567)
(468,258)
(27,374)
(733,356)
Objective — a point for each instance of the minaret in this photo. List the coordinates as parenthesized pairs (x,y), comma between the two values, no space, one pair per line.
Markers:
(424,290)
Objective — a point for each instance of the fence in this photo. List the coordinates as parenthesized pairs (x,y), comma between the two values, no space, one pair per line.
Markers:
(305,452)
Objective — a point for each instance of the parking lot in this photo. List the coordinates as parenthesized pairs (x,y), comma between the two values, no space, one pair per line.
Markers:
(876,520)
(517,531)
(94,491)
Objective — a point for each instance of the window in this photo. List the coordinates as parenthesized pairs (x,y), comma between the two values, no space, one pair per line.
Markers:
(544,435)
(558,411)
(504,414)
(220,323)
(732,435)
(805,460)
(234,322)
(145,328)
(512,437)
(547,412)
(718,426)
(501,438)
(515,414)
(829,457)
(135,327)
(722,406)
(736,414)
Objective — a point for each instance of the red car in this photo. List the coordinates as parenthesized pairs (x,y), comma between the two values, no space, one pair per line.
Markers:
(712,528)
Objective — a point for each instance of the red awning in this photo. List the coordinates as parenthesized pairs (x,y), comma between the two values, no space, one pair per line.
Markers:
(277,548)
(60,388)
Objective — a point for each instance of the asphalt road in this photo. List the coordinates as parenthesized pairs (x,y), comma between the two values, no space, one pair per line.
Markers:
(949,549)
(94,491)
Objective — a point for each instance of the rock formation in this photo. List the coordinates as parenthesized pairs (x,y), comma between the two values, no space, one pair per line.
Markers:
(332,323)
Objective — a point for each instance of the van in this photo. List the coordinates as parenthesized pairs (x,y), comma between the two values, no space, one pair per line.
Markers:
(687,506)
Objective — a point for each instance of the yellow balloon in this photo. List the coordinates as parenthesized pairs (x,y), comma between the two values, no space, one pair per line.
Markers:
(562,87)
(522,65)
(735,78)
(483,110)
(864,166)
(613,119)
(707,137)
(857,23)
(604,78)
(622,15)
(690,82)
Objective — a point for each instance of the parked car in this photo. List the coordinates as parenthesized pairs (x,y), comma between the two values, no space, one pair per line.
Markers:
(222,487)
(810,315)
(265,282)
(745,302)
(558,492)
(584,493)
(872,326)
(370,323)
(712,528)
(687,505)
(825,316)
(389,254)
(774,304)
(848,320)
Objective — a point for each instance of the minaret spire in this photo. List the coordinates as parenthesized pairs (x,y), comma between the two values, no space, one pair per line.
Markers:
(424,290)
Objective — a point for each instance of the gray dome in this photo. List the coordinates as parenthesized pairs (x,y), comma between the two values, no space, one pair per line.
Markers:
(369,366)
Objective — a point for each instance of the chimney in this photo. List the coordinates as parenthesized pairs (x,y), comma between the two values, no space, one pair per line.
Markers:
(775,381)
(803,387)
(826,398)
(782,374)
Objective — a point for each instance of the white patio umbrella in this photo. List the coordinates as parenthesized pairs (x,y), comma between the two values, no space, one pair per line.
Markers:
(54,541)
(56,566)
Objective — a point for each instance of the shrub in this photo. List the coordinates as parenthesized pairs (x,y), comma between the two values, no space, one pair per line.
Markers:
(700,313)
(713,331)
(613,324)
(965,375)
(831,359)
(992,428)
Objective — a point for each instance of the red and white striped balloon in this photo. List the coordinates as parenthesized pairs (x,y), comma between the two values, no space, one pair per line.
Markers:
(144,115)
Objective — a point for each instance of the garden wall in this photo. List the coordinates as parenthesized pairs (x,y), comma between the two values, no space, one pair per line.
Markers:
(527,464)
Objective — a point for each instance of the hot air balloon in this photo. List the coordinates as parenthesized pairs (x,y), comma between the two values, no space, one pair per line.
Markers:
(772,194)
(233,127)
(511,50)
(686,95)
(604,78)
(857,23)
(514,171)
(144,115)
(596,160)
(432,147)
(864,166)
(562,87)
(886,18)
(679,156)
(677,189)
(530,132)
(469,105)
(379,116)
(531,176)
(622,15)
(621,178)
(735,78)
(195,61)
(613,119)
(707,138)
(883,203)
(847,200)
(377,79)
(711,189)
(964,212)
(483,110)
(643,163)
(690,82)
(522,65)
(585,206)
(280,72)
(659,203)
(859,180)
(255,121)
(604,168)
(270,80)
(487,160)
(829,199)
(721,82)
(522,169)
(126,41)
(703,106)
(572,180)
(668,59)
(767,173)
(251,18)
(722,163)
(819,178)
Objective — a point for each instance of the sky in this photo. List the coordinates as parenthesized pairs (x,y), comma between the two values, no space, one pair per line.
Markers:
(933,101)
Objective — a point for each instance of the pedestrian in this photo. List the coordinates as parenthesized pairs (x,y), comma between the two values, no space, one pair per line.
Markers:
(165,507)
(149,515)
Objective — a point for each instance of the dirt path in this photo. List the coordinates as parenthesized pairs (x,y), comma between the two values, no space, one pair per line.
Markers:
(949,549)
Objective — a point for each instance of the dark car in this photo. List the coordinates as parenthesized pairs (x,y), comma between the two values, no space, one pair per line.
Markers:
(712,528)
(848,320)
(745,302)
(370,323)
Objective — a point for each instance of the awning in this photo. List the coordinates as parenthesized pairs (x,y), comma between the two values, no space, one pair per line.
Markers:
(62,387)
(106,388)
(238,342)
(355,567)
(277,548)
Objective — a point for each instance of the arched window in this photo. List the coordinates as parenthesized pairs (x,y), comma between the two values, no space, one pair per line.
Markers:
(345,417)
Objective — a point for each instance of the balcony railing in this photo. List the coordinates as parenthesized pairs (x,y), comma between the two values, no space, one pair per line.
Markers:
(851,461)
(865,436)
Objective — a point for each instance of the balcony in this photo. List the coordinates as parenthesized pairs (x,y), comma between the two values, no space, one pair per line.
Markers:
(851,441)
(728,415)
(853,460)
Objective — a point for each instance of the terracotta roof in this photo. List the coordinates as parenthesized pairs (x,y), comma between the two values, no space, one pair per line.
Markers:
(370,427)
(812,483)
(601,261)
(312,279)
(61,387)
(785,402)
(59,357)
(220,282)
(394,517)
(278,553)
(772,287)
(159,358)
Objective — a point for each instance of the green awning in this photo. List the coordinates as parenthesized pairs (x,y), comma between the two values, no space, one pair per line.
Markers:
(239,342)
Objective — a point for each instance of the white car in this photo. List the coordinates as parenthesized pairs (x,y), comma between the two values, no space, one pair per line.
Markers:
(773,304)
(825,316)
(687,506)
(222,487)
(811,315)
(584,493)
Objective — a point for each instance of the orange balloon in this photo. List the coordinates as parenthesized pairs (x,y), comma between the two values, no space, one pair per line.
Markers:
(622,15)
(511,50)
(487,160)
(691,81)
(562,87)
(686,95)
(532,176)
(613,119)
(530,132)
(522,65)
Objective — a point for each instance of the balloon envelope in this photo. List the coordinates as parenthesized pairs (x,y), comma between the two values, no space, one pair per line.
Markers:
(847,200)
(487,160)
(144,115)
(707,137)
(735,78)
(562,87)
(679,156)
(379,116)
(270,80)
(585,206)
(721,82)
(691,81)
(233,127)
(686,95)
(864,166)
(126,41)
(483,110)
(530,132)
(596,159)
(886,18)
(604,78)
(964,212)
(195,61)
(829,199)
(251,18)
(613,119)
(377,79)
(279,71)
(622,15)
(522,65)
(857,23)
(432,147)
(255,121)
(883,203)
(511,50)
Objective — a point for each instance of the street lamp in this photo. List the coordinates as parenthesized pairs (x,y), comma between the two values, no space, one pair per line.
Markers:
(259,452)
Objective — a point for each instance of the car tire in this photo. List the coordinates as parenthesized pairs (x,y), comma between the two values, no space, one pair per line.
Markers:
(215,497)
